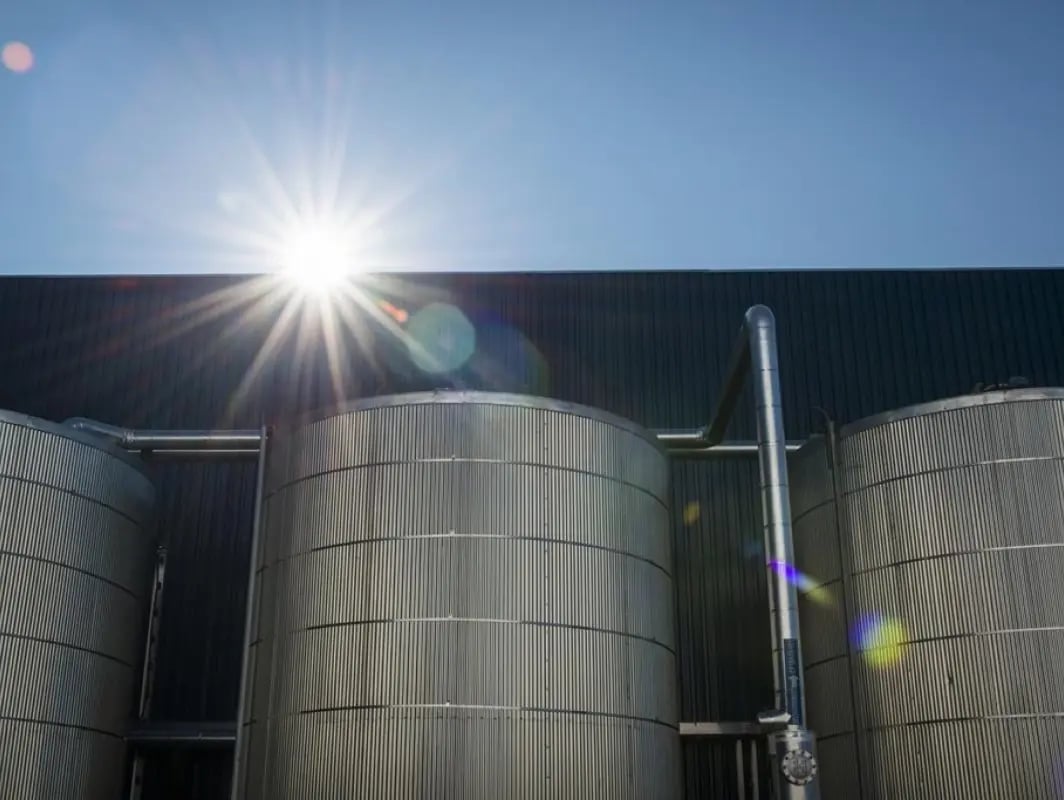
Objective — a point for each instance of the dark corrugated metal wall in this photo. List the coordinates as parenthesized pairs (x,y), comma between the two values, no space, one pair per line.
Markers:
(173,351)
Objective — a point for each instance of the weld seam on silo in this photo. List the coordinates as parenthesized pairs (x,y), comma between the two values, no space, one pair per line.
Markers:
(827,737)
(924,723)
(486,621)
(72,568)
(393,463)
(79,495)
(896,479)
(956,554)
(820,584)
(957,637)
(823,661)
(813,509)
(52,642)
(65,725)
(452,536)
(548,711)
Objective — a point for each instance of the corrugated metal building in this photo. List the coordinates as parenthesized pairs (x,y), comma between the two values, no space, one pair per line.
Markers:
(197,352)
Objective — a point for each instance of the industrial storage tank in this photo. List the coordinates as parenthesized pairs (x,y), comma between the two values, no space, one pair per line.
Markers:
(929,543)
(464,595)
(76,556)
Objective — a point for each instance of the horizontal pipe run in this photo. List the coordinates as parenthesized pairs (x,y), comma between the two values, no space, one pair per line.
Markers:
(689,438)
(223,734)
(722,450)
(725,730)
(173,735)
(200,456)
(170,441)
(240,445)
(245,444)
(193,440)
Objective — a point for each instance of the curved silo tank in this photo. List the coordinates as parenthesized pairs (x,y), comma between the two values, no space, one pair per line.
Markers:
(933,599)
(76,561)
(465,595)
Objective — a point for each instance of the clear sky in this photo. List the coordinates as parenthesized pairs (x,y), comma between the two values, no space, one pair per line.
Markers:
(184,136)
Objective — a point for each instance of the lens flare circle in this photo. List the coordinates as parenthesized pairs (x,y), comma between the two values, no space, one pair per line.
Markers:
(813,589)
(880,639)
(691,513)
(442,338)
(17,56)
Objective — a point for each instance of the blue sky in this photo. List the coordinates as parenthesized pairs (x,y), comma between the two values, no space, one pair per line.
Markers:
(181,137)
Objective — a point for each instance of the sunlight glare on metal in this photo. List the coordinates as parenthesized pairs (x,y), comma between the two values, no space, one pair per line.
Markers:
(440,338)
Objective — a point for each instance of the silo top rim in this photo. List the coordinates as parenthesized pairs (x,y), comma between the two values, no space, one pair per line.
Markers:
(952,404)
(479,398)
(66,432)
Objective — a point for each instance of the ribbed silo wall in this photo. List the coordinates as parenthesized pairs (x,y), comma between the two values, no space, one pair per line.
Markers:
(76,557)
(465,595)
(932,545)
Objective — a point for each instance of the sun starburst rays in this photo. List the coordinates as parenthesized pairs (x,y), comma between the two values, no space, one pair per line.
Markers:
(300,204)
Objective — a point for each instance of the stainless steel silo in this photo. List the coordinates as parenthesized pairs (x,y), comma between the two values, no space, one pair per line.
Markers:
(464,595)
(930,544)
(76,559)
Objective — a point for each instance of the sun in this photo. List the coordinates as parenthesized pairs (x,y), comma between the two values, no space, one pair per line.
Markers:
(317,256)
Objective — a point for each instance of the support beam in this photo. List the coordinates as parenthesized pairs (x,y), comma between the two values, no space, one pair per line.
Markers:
(247,665)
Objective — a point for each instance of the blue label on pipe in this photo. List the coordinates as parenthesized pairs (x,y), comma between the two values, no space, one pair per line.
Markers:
(792,681)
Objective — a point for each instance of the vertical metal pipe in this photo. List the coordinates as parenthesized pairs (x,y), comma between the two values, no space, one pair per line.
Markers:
(776,508)
(755,771)
(756,353)
(239,751)
(740,769)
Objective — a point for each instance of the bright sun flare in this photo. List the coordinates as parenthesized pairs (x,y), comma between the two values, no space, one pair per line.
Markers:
(317,257)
